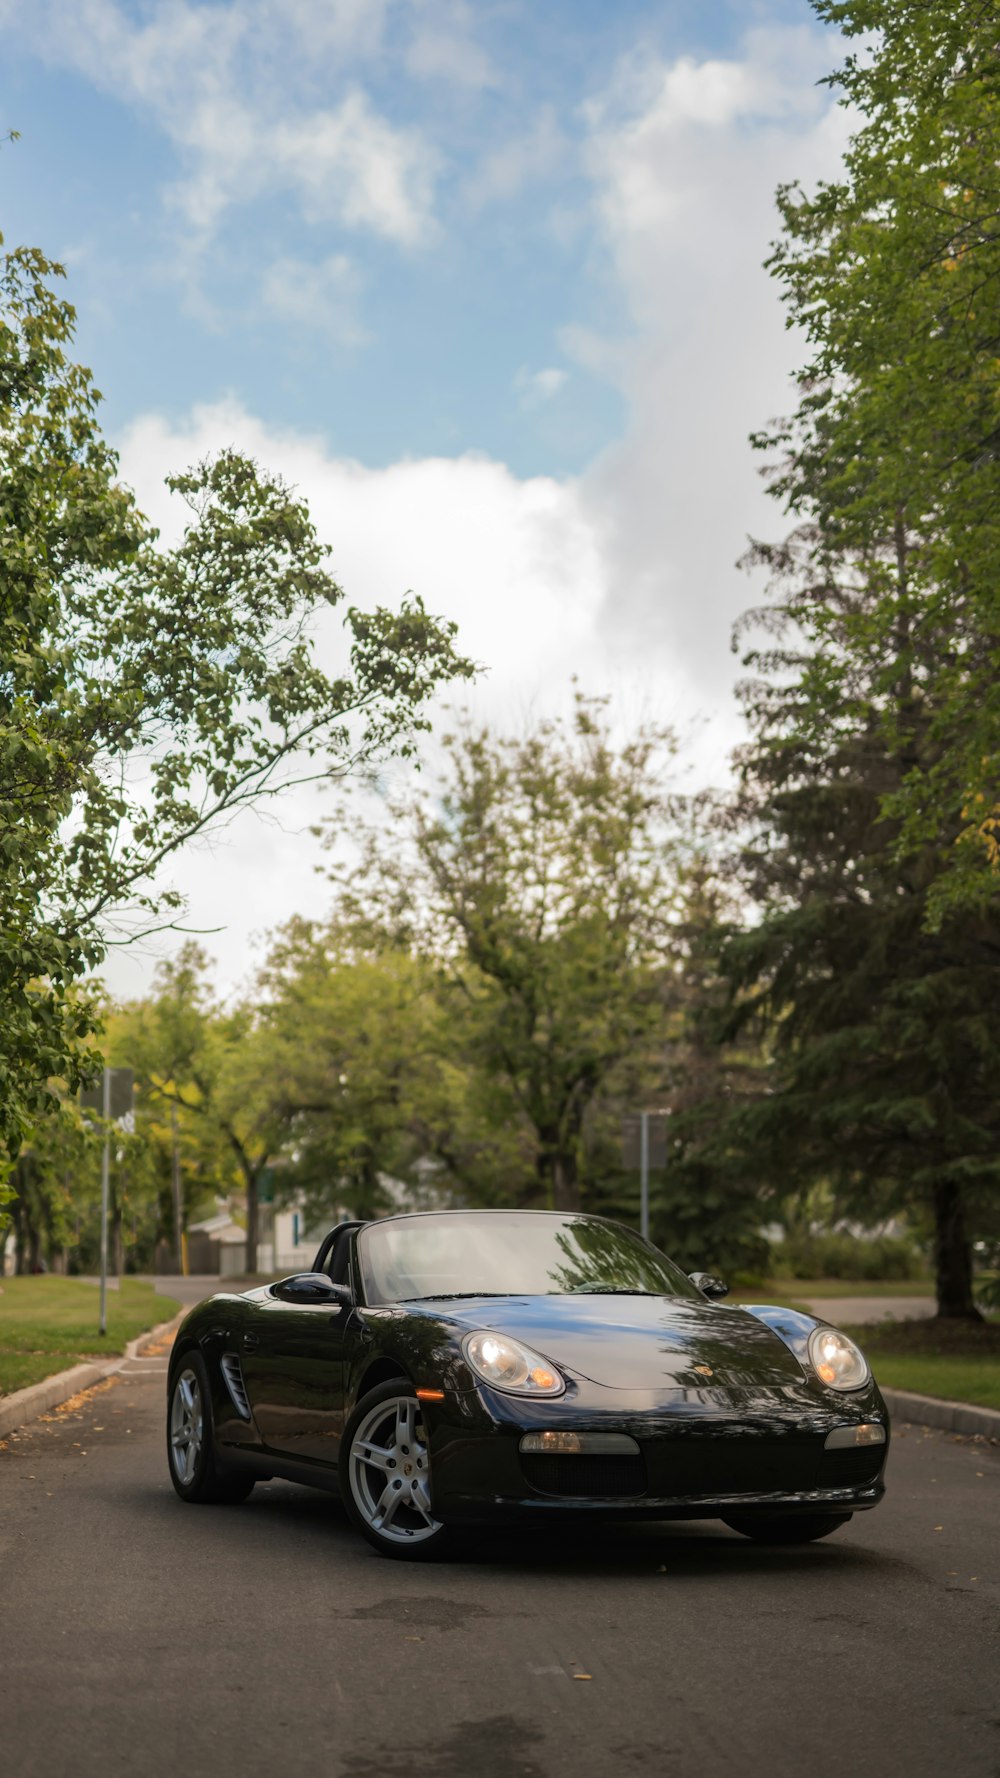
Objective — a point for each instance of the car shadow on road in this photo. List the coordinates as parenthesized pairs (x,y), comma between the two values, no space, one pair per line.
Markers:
(668,1547)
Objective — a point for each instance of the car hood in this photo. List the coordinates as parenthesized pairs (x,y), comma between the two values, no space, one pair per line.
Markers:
(632,1342)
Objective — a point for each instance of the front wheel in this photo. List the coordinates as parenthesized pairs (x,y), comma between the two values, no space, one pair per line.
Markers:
(793,1528)
(194,1466)
(385,1475)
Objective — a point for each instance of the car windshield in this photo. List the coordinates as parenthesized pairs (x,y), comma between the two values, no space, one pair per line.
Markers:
(511,1253)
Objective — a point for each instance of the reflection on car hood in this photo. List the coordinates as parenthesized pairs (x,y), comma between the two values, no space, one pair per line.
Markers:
(631,1342)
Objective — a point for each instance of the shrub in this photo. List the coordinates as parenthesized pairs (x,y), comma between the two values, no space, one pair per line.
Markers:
(878,1258)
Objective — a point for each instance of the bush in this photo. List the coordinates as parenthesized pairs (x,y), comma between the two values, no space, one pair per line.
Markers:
(878,1258)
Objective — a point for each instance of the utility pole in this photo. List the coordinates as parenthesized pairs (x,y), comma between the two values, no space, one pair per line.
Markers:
(644,1175)
(178,1201)
(644,1141)
(105,1182)
(111,1097)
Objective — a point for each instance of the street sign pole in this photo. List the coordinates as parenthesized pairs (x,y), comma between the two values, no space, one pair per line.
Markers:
(178,1199)
(644,1175)
(105,1182)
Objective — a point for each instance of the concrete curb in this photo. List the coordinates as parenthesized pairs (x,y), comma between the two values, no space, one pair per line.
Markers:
(949,1416)
(26,1404)
(136,1347)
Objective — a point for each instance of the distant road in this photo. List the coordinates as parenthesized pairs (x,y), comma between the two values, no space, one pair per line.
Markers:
(856,1311)
(146,1638)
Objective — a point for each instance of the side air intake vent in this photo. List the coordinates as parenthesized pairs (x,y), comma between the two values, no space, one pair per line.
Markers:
(230,1366)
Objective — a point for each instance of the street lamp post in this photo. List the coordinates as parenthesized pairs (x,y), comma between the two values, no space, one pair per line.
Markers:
(105,1193)
(644,1140)
(111,1096)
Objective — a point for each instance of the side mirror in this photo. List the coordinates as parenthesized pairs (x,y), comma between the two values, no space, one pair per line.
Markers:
(709,1284)
(312,1287)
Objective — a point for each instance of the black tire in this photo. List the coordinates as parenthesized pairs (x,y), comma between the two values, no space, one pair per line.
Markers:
(198,1478)
(410,1533)
(793,1528)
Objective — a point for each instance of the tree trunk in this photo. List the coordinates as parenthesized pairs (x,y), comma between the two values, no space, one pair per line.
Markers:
(252,1220)
(565,1184)
(952,1256)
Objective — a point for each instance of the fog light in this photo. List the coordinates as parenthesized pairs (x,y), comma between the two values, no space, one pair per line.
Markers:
(869,1432)
(576,1444)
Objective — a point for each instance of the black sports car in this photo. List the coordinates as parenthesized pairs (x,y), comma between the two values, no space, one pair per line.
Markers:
(491,1366)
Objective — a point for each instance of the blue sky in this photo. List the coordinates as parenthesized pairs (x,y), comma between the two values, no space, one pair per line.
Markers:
(483,280)
(409,335)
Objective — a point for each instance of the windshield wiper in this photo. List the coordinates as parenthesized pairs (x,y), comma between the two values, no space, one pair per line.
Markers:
(609,1290)
(454,1296)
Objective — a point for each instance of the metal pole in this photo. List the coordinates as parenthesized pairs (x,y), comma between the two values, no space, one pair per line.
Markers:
(105,1182)
(176,1171)
(644,1174)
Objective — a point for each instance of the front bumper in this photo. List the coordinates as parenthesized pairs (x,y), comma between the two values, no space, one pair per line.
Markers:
(699,1457)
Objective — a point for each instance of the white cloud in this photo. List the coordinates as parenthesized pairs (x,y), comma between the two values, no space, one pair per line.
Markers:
(685,159)
(514,562)
(537,153)
(443,45)
(234,87)
(625,575)
(318,298)
(535,387)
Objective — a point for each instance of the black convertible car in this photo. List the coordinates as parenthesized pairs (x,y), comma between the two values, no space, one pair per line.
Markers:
(479,1367)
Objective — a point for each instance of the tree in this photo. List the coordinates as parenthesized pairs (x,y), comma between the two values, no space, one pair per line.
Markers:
(213,1065)
(893,273)
(368,1050)
(541,879)
(148,693)
(873,967)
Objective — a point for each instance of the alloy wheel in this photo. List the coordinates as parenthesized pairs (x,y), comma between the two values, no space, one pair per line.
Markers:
(187,1427)
(390,1472)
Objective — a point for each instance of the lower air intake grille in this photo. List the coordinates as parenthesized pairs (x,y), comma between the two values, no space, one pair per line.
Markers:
(586,1478)
(851,1469)
(230,1367)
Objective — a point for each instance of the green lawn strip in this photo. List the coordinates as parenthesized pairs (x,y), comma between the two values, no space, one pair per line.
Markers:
(49,1323)
(959,1361)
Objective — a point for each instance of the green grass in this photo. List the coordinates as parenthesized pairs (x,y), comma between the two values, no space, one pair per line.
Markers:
(50,1323)
(957,1360)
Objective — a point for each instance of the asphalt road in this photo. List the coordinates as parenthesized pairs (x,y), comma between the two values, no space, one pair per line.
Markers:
(142,1636)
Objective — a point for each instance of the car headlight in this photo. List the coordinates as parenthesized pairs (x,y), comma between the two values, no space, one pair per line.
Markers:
(507,1364)
(837,1361)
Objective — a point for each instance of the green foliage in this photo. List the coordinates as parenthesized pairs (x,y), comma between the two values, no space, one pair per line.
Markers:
(366,1052)
(147,693)
(893,457)
(207,1071)
(872,970)
(540,879)
(877,1257)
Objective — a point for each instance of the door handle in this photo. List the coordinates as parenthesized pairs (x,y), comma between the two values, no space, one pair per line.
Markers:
(250,1342)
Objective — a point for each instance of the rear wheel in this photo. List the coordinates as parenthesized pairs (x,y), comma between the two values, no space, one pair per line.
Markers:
(792,1528)
(195,1470)
(385,1475)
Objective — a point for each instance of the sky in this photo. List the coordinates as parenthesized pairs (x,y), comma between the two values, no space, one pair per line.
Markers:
(483,279)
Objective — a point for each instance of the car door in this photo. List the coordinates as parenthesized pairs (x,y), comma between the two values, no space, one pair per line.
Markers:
(293,1358)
